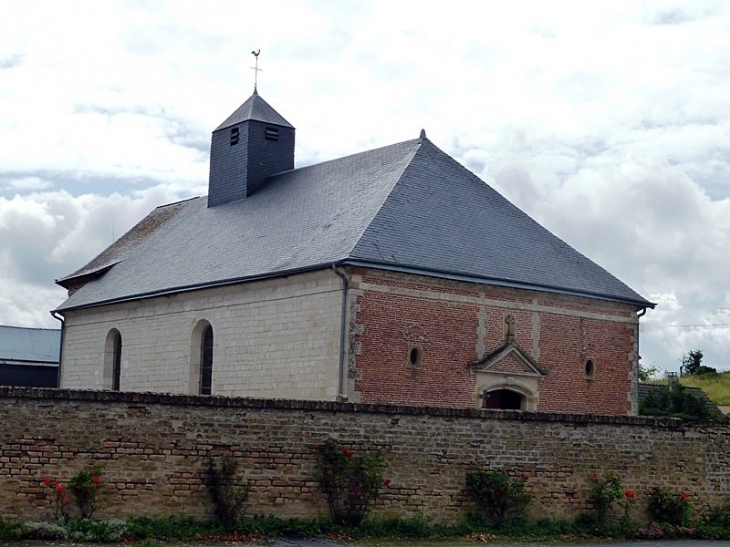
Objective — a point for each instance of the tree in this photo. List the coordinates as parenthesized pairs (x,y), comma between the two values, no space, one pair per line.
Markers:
(646,373)
(692,363)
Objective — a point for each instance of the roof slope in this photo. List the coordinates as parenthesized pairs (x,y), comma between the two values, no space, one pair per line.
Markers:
(255,108)
(27,345)
(441,217)
(405,206)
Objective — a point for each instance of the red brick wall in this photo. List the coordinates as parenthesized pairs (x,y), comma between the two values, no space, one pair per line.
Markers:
(565,344)
(394,312)
(445,331)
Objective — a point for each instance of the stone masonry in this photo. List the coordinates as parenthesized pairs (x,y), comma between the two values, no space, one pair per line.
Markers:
(276,338)
(155,447)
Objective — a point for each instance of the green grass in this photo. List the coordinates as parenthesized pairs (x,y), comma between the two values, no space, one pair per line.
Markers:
(716,385)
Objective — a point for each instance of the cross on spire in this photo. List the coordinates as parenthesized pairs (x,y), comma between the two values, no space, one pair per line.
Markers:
(256,68)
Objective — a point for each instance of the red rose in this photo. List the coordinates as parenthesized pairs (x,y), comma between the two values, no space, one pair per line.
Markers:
(387,482)
(346,452)
(47,481)
(630,494)
(684,496)
(66,500)
(95,480)
(357,495)
(60,488)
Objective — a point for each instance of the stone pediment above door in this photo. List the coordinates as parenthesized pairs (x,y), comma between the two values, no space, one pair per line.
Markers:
(509,359)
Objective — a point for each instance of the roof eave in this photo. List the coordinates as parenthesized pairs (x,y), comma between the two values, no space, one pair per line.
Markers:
(456,276)
(89,275)
(197,286)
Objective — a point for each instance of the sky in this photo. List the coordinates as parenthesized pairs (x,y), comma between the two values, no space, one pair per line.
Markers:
(607,122)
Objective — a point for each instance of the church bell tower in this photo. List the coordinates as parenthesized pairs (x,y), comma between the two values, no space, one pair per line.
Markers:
(253,143)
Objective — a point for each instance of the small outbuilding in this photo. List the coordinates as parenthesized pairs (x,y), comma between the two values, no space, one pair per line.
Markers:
(29,357)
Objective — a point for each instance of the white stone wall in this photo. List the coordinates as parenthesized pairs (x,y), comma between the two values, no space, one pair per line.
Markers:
(275,339)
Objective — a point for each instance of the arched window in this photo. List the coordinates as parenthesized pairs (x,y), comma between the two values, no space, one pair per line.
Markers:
(206,361)
(113,360)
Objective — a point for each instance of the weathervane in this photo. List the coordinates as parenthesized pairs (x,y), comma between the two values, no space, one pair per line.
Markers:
(256,68)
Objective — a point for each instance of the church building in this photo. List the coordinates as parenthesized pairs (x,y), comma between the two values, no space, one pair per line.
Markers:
(391,276)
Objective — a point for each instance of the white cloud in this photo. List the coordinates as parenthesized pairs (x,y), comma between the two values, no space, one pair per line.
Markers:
(48,235)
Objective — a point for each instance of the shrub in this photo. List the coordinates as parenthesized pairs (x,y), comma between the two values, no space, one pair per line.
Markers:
(43,530)
(170,527)
(669,508)
(227,493)
(101,531)
(604,492)
(499,498)
(679,402)
(719,516)
(351,480)
(10,530)
(61,499)
(84,486)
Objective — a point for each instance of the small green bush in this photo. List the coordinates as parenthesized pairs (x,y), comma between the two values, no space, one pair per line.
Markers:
(499,498)
(719,516)
(350,479)
(667,507)
(166,527)
(43,530)
(10,530)
(227,492)
(84,486)
(604,492)
(100,531)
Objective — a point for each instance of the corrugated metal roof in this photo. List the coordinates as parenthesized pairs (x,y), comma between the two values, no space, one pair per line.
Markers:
(407,206)
(29,345)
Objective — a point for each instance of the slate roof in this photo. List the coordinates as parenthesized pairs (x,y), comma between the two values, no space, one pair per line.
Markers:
(408,206)
(20,345)
(255,108)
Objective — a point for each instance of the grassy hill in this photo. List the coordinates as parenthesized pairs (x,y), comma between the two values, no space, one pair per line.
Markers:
(716,385)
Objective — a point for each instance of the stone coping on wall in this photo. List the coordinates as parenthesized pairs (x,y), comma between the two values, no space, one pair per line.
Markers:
(127,397)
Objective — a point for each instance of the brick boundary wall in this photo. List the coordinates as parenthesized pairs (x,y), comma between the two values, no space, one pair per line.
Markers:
(155,447)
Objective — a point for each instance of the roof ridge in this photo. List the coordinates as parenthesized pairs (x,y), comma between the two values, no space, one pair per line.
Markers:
(177,202)
(418,142)
(362,152)
(422,139)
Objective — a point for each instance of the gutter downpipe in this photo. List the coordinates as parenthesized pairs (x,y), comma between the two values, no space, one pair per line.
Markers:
(341,395)
(60,318)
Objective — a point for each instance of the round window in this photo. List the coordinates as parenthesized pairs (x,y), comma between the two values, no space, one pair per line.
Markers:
(414,356)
